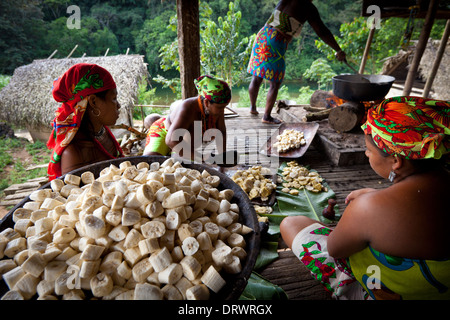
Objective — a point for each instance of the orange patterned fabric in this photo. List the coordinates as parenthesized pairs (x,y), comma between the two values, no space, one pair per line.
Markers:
(413,127)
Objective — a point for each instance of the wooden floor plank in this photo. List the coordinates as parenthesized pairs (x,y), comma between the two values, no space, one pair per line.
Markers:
(287,271)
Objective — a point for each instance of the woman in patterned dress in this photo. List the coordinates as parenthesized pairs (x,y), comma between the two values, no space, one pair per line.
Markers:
(267,60)
(389,243)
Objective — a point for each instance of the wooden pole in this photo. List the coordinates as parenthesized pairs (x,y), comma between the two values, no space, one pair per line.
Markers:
(51,56)
(71,52)
(421,45)
(437,61)
(367,49)
(106,53)
(188,45)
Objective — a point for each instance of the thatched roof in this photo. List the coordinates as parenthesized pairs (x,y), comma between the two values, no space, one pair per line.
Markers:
(27,100)
(398,66)
(440,88)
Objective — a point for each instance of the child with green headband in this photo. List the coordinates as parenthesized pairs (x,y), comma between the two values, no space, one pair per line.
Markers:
(192,121)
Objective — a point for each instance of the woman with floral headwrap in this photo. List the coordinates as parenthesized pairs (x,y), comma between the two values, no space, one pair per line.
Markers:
(391,242)
(190,120)
(80,134)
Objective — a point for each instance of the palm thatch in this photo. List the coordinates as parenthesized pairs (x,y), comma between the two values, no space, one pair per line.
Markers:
(28,102)
(399,64)
(440,87)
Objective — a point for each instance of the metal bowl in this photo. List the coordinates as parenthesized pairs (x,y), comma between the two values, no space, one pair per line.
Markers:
(357,87)
(235,284)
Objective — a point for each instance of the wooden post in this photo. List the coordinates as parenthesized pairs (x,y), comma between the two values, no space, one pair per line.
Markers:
(437,60)
(188,45)
(51,56)
(367,48)
(71,52)
(421,45)
(346,116)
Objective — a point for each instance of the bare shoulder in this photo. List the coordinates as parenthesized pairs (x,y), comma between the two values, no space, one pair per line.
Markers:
(407,219)
(70,158)
(189,104)
(185,109)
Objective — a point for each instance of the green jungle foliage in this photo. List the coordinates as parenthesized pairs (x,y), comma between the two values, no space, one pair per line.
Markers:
(33,29)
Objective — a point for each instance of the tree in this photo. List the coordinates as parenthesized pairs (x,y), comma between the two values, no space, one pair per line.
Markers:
(353,36)
(155,33)
(223,53)
(21,30)
(91,38)
(321,72)
(105,14)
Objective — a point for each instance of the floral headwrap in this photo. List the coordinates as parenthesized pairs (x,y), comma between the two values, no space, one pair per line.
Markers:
(413,127)
(212,89)
(72,89)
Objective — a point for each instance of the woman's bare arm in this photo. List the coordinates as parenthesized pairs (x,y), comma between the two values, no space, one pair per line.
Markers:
(351,233)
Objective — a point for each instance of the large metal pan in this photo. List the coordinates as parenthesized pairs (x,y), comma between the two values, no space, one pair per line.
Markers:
(362,87)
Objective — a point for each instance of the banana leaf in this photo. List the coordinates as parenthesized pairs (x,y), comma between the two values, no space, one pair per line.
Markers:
(306,203)
(259,288)
(267,254)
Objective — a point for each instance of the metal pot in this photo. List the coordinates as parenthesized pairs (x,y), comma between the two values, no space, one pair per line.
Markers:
(362,87)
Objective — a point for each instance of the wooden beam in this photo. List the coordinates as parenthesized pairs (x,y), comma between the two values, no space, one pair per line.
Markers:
(188,45)
(367,48)
(71,52)
(421,45)
(437,60)
(51,56)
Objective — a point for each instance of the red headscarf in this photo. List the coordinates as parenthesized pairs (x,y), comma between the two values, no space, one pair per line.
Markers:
(72,89)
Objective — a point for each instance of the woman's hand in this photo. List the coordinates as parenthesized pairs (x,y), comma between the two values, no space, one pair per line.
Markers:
(356,193)
(340,55)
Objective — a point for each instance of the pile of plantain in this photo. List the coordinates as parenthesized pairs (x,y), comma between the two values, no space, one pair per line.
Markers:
(142,232)
(254,182)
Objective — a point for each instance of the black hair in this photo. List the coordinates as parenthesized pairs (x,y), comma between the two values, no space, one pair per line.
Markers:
(86,125)
(101,94)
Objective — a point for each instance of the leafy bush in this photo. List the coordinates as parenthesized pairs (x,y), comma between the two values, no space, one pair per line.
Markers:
(145,97)
(244,99)
(305,95)
(321,72)
(4,80)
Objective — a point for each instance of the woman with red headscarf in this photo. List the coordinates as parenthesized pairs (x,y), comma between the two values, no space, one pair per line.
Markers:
(390,243)
(80,134)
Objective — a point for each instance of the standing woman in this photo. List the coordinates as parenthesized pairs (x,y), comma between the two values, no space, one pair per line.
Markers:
(268,54)
(80,134)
